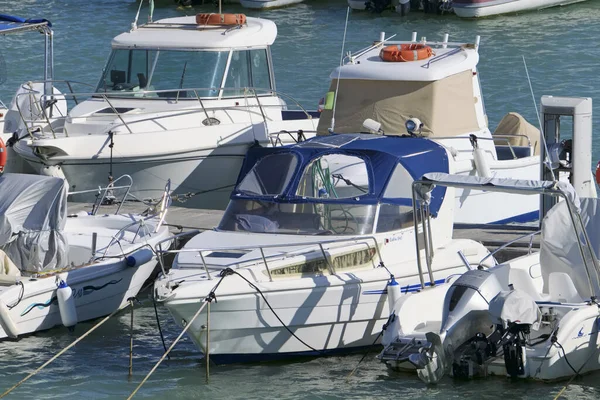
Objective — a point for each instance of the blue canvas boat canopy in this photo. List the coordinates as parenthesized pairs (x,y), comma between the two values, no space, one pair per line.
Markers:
(12,24)
(381,156)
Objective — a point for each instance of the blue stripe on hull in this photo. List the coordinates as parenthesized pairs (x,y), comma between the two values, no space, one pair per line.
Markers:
(528,217)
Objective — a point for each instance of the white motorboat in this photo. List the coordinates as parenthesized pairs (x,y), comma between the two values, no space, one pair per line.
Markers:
(266,4)
(534,317)
(178,99)
(60,269)
(310,238)
(486,8)
(432,89)
(11,25)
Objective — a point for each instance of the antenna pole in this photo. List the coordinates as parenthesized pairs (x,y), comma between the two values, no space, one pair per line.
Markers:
(339,71)
(134,23)
(219,6)
(547,161)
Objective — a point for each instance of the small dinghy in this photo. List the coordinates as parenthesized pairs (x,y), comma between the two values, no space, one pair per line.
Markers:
(534,317)
(60,269)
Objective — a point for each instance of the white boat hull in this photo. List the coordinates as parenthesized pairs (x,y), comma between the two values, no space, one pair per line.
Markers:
(206,176)
(475,9)
(95,297)
(99,287)
(330,313)
(264,4)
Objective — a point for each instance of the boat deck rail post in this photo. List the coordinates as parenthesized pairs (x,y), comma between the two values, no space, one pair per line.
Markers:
(261,248)
(108,96)
(503,138)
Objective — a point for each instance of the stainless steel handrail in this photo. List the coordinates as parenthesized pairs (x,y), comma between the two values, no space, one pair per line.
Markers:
(146,95)
(356,239)
(583,246)
(505,245)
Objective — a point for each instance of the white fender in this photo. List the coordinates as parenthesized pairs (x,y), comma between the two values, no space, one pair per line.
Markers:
(481,164)
(7,322)
(393,293)
(66,304)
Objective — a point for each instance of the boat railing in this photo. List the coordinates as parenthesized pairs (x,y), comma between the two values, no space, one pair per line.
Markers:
(502,138)
(251,96)
(421,192)
(357,240)
(164,204)
(507,244)
(106,195)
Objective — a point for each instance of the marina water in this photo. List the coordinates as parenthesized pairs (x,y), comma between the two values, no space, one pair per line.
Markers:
(560,48)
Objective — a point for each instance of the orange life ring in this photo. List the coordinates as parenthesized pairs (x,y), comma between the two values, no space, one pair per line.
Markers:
(598,173)
(220,19)
(405,52)
(3,155)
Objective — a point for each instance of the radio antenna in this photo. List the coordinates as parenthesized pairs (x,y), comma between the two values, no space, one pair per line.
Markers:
(547,161)
(339,72)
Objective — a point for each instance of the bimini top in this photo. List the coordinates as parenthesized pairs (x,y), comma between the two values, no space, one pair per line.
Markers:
(447,59)
(348,169)
(183,33)
(12,24)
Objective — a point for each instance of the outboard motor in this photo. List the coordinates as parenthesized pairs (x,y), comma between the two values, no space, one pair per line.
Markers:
(465,315)
(513,313)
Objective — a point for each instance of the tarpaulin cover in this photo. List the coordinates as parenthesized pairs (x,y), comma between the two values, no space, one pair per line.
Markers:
(33,212)
(559,250)
(381,155)
(505,185)
(12,24)
(515,306)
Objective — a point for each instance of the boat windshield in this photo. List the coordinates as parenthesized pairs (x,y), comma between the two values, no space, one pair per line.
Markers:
(298,218)
(171,73)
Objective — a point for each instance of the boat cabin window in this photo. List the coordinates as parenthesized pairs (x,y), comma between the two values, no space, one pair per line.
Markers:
(165,73)
(247,69)
(336,176)
(400,184)
(393,217)
(260,216)
(270,175)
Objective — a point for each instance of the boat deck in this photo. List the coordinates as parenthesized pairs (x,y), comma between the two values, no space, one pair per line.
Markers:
(181,219)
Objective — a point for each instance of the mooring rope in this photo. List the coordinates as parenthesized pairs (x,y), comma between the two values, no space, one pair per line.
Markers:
(64,350)
(205,301)
(211,296)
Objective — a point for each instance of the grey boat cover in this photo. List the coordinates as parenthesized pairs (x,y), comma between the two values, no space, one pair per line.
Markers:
(33,211)
(559,248)
(515,306)
(518,186)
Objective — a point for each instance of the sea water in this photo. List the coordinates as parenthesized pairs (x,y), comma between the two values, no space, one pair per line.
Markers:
(560,49)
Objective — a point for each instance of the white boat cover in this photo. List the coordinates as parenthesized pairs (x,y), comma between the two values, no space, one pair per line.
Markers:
(33,211)
(515,306)
(559,249)
(518,186)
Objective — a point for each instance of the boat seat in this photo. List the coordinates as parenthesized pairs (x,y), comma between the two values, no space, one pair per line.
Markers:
(562,289)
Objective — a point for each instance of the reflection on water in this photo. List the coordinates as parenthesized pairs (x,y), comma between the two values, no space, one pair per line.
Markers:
(560,49)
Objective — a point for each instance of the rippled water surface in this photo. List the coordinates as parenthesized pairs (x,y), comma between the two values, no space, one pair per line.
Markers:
(561,51)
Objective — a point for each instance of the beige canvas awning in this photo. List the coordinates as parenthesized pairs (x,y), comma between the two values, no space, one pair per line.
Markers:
(520,132)
(445,107)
